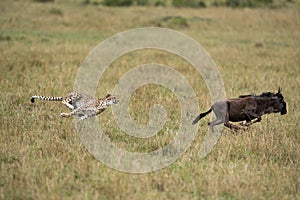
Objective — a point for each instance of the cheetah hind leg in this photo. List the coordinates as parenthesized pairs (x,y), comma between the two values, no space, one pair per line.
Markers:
(68,105)
(78,113)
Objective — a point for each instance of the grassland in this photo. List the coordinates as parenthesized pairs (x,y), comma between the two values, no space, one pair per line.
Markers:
(41,156)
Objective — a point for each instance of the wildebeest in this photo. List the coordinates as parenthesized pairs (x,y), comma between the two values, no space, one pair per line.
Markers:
(245,108)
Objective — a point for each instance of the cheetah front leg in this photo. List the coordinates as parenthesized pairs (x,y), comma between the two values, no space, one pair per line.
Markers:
(74,112)
(86,116)
(82,117)
(66,114)
(91,113)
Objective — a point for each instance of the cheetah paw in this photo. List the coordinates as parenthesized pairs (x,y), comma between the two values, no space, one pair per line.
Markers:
(64,114)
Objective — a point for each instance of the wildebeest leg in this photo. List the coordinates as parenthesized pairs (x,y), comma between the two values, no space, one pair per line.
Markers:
(252,115)
(216,122)
(231,126)
(220,110)
(257,120)
(248,123)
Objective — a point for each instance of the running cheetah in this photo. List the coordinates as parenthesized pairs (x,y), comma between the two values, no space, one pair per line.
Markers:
(82,105)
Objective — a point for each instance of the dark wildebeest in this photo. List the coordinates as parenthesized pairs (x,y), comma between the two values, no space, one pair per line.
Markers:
(245,108)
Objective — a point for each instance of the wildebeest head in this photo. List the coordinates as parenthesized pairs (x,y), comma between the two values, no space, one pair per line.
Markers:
(279,104)
(276,102)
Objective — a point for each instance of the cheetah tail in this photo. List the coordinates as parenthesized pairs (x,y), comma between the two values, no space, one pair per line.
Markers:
(32,99)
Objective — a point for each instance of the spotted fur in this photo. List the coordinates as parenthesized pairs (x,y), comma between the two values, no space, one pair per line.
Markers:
(82,105)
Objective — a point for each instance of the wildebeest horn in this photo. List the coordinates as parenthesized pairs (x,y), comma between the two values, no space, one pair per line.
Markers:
(279,90)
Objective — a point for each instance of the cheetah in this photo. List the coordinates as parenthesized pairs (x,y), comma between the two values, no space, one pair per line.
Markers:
(82,105)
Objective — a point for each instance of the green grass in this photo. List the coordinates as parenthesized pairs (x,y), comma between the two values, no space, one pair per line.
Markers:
(41,156)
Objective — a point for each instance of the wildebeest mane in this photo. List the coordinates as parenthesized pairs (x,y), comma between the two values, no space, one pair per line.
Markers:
(262,95)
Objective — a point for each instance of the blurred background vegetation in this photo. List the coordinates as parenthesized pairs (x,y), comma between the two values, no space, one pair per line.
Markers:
(190,3)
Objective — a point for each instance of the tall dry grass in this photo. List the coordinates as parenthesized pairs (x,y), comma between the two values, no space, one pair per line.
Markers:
(41,155)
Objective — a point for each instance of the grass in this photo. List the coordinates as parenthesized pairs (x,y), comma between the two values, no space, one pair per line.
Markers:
(41,155)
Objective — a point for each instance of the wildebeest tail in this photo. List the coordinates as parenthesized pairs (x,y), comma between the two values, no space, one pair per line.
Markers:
(200,116)
(32,99)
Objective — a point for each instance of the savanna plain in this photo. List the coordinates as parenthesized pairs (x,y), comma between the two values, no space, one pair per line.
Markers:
(41,155)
